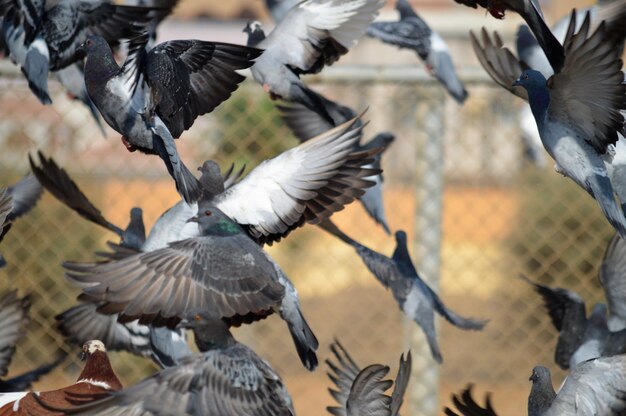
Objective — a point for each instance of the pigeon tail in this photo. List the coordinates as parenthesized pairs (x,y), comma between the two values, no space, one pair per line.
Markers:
(305,341)
(187,184)
(446,74)
(372,201)
(36,70)
(550,45)
(601,189)
(431,338)
(330,227)
(24,381)
(311,100)
(459,321)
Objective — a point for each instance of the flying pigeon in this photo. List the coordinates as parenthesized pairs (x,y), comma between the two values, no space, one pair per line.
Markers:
(97,380)
(156,95)
(61,186)
(412,32)
(23,197)
(415,298)
(577,110)
(304,184)
(580,337)
(306,124)
(14,318)
(362,391)
(44,36)
(311,35)
(225,378)
(594,387)
(164,346)
(530,11)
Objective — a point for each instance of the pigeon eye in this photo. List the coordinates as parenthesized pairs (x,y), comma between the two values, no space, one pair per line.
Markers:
(197,317)
(526,76)
(208,213)
(89,42)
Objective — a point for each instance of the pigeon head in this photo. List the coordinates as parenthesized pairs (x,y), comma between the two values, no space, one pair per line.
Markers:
(211,220)
(539,374)
(90,347)
(209,333)
(255,32)
(531,80)
(98,369)
(211,180)
(401,237)
(93,42)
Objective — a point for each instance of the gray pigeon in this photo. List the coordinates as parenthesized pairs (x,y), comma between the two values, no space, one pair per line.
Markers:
(594,387)
(412,32)
(532,14)
(157,95)
(61,186)
(44,36)
(577,110)
(311,35)
(22,197)
(225,378)
(82,322)
(305,184)
(362,391)
(306,124)
(415,298)
(222,273)
(14,318)
(613,281)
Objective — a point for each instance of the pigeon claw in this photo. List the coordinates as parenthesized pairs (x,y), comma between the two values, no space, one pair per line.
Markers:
(497,10)
(129,146)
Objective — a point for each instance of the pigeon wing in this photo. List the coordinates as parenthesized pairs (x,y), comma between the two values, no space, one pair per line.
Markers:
(82,323)
(613,277)
(466,405)
(14,317)
(402,381)
(58,183)
(304,184)
(27,13)
(498,61)
(223,276)
(342,373)
(412,33)
(25,195)
(6,205)
(590,86)
(367,394)
(189,78)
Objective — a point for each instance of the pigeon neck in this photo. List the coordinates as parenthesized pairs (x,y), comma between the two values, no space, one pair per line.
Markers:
(213,335)
(539,99)
(255,37)
(100,66)
(98,369)
(402,258)
(541,396)
(222,227)
(405,10)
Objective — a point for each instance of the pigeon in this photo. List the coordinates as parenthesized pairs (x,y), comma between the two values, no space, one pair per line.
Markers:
(594,387)
(613,280)
(96,380)
(14,318)
(362,391)
(44,36)
(225,378)
(223,273)
(415,298)
(279,8)
(577,110)
(531,12)
(304,184)
(306,124)
(61,186)
(157,94)
(412,32)
(6,205)
(23,195)
(164,346)
(580,337)
(311,35)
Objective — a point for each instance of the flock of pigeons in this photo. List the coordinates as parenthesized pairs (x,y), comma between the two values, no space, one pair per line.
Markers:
(202,266)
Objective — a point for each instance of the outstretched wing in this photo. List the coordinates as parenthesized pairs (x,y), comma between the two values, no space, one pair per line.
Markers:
(25,195)
(342,373)
(304,184)
(467,406)
(189,78)
(14,317)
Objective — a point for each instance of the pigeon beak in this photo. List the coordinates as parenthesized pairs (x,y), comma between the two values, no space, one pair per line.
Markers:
(81,51)
(193,219)
(517,83)
(83,355)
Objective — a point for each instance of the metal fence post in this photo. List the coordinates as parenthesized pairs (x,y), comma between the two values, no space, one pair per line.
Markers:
(423,397)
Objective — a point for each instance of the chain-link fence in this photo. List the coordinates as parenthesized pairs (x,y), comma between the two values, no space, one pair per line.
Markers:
(456,180)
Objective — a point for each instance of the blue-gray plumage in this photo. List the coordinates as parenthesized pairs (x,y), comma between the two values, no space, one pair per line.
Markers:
(279,8)
(14,318)
(312,35)
(577,111)
(412,32)
(542,392)
(157,94)
(531,13)
(306,124)
(415,298)
(225,378)
(44,36)
(362,391)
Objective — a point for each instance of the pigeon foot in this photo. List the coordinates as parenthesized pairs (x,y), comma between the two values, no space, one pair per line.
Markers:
(129,146)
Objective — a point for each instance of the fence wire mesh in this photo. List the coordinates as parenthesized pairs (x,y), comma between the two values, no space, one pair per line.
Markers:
(477,221)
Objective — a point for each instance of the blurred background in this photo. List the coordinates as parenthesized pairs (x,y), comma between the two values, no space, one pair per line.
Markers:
(478,212)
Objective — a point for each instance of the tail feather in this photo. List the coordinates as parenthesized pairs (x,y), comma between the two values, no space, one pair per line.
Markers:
(601,189)
(36,71)
(24,381)
(311,100)
(330,227)
(305,341)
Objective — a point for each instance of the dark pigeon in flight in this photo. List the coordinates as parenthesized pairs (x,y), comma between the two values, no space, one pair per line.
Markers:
(311,36)
(362,391)
(415,298)
(306,124)
(577,132)
(412,32)
(156,95)
(44,36)
(14,318)
(225,378)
